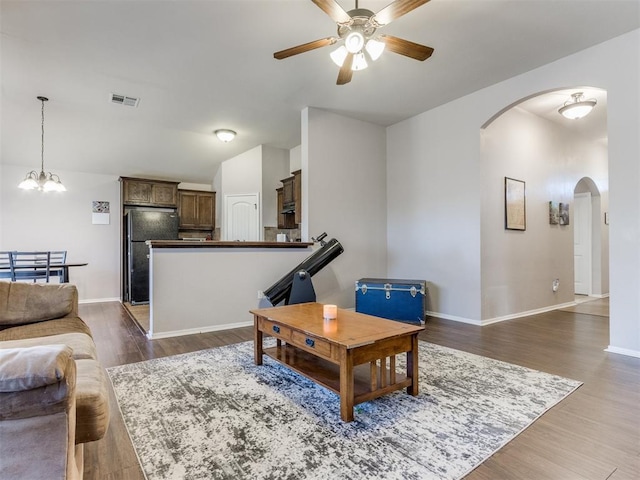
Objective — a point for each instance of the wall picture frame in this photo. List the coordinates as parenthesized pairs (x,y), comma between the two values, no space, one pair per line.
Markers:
(515,215)
(554,213)
(564,213)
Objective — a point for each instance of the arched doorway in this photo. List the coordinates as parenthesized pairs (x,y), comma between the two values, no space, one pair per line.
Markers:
(530,141)
(588,240)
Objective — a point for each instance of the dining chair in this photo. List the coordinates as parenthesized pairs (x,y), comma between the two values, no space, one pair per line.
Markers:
(5,267)
(4,259)
(57,257)
(30,266)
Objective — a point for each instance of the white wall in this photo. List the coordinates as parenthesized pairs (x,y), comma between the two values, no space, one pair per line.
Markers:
(34,220)
(344,194)
(241,174)
(206,289)
(295,158)
(275,167)
(518,267)
(433,208)
(434,190)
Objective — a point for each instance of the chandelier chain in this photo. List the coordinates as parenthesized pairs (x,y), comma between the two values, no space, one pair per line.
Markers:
(42,143)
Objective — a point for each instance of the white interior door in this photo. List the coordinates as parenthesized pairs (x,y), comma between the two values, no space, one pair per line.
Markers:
(242,221)
(582,243)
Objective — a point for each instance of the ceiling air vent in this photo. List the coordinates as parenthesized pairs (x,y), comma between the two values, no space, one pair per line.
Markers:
(124,100)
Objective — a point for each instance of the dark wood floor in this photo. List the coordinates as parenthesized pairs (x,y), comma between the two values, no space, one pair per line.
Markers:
(593,434)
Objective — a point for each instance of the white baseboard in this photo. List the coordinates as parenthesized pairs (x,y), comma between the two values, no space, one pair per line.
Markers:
(446,316)
(623,351)
(489,321)
(99,300)
(193,331)
(536,311)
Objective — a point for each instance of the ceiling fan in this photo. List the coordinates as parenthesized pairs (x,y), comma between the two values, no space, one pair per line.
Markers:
(357,30)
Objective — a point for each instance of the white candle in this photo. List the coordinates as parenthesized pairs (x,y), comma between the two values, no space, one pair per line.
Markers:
(330,311)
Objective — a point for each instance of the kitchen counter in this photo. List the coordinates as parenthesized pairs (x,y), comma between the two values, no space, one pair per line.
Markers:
(222,244)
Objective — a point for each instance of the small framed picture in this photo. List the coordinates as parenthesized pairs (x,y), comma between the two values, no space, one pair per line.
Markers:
(554,213)
(564,213)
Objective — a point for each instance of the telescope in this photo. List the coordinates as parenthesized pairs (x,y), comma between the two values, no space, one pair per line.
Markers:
(295,286)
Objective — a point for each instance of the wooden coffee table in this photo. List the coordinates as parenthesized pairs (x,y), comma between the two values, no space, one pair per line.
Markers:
(353,355)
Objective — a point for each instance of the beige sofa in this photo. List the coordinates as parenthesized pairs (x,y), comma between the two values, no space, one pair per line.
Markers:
(53,391)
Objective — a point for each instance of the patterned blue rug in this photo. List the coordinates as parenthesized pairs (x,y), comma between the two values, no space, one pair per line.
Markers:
(213,414)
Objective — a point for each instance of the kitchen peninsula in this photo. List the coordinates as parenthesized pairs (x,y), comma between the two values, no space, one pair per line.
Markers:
(204,286)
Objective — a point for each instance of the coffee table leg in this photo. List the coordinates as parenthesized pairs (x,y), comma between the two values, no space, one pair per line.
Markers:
(346,385)
(412,366)
(257,342)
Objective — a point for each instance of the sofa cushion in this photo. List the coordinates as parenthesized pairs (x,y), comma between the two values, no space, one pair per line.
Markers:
(22,303)
(92,401)
(32,367)
(81,344)
(45,329)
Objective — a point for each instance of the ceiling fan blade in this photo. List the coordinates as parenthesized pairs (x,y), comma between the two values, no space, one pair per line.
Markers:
(406,48)
(396,10)
(345,74)
(335,11)
(323,42)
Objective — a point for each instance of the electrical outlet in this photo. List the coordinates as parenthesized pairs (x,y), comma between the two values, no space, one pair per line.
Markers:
(260,294)
(555,285)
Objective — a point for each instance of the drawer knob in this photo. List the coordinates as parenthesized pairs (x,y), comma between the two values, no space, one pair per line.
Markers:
(276,328)
(310,342)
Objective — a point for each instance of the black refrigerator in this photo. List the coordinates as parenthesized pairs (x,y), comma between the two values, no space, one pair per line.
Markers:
(140,226)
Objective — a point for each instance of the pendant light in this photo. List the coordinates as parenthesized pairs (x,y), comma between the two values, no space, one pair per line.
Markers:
(47,182)
(578,107)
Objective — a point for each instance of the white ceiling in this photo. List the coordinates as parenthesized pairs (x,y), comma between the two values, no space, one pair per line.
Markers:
(201,65)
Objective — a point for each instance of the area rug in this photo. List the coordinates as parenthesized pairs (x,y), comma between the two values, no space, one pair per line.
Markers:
(213,414)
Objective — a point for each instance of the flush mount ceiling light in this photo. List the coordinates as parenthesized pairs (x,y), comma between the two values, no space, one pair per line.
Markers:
(47,182)
(357,32)
(225,135)
(577,107)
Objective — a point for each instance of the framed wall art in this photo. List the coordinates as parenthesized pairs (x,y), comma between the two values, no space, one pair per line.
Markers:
(564,213)
(514,204)
(554,213)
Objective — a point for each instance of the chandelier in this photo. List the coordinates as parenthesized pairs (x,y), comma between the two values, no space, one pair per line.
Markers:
(577,107)
(47,182)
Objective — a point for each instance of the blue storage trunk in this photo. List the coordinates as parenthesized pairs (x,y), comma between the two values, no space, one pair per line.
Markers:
(395,299)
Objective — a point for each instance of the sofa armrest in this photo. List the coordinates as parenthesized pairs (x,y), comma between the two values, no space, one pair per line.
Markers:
(38,414)
(36,381)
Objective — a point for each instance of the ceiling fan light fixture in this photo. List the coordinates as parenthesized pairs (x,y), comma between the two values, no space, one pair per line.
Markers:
(577,107)
(338,55)
(359,62)
(225,135)
(354,41)
(374,48)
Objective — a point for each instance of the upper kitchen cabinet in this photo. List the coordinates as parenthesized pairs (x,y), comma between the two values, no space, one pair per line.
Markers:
(149,193)
(196,209)
(297,195)
(288,196)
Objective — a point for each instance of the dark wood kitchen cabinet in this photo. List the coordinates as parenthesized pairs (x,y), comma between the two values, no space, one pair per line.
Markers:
(288,194)
(285,220)
(196,209)
(297,195)
(149,193)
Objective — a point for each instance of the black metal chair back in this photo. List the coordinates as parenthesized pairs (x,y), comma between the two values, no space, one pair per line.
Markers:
(30,266)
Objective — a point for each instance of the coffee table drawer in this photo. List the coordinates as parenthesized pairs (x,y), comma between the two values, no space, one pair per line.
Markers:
(274,329)
(311,343)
